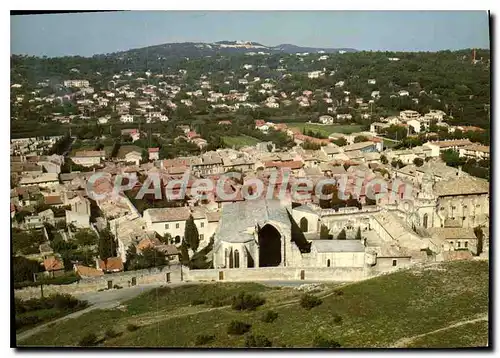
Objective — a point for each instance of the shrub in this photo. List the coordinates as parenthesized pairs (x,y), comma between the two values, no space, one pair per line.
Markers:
(132,327)
(321,342)
(88,340)
(257,341)
(197,302)
(110,333)
(309,301)
(238,328)
(203,339)
(219,301)
(26,321)
(246,301)
(117,287)
(269,316)
(337,319)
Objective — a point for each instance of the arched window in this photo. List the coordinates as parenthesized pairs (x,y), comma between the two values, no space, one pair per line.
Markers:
(236,259)
(226,254)
(304,225)
(231,259)
(328,263)
(426,220)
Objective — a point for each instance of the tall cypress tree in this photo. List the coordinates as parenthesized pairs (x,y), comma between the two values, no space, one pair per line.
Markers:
(342,235)
(184,253)
(358,234)
(191,235)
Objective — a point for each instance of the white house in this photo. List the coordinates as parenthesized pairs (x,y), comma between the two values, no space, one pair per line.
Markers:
(325,119)
(314,74)
(403,93)
(415,125)
(127,118)
(167,220)
(133,157)
(88,158)
(76,83)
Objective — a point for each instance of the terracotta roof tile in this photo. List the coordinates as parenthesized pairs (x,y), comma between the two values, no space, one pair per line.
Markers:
(53,264)
(112,264)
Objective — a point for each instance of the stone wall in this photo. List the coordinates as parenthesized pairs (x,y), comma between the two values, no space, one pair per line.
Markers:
(124,279)
(277,274)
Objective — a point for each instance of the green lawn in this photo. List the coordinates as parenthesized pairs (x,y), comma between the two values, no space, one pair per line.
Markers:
(326,129)
(240,141)
(374,313)
(389,143)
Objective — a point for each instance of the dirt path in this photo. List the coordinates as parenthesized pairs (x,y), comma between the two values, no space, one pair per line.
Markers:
(98,300)
(112,299)
(405,341)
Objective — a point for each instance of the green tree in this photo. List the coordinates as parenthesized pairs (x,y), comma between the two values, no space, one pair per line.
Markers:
(191,235)
(340,141)
(324,233)
(107,245)
(342,235)
(85,237)
(184,253)
(149,257)
(130,256)
(418,162)
(383,159)
(452,158)
(478,231)
(23,269)
(358,234)
(360,138)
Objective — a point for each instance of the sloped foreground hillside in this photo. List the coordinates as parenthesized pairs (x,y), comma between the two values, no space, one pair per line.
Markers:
(441,305)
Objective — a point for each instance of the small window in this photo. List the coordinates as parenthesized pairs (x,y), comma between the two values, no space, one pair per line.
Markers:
(201,236)
(166,226)
(458,244)
(453,207)
(202,224)
(466,244)
(441,208)
(451,243)
(328,263)
(394,262)
(177,225)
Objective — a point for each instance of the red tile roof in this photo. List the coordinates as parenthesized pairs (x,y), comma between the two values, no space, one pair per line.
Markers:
(53,264)
(192,135)
(53,200)
(292,164)
(112,264)
(85,271)
(153,150)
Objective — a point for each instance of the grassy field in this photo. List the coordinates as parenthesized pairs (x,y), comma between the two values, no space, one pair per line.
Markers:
(240,141)
(326,129)
(389,143)
(417,308)
(468,335)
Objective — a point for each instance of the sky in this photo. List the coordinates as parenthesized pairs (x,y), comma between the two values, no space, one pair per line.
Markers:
(86,34)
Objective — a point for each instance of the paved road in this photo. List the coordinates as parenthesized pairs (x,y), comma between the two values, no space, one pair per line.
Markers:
(98,300)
